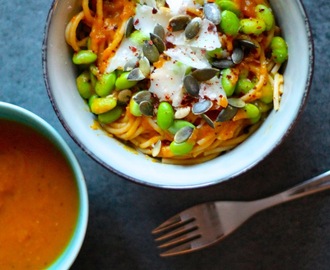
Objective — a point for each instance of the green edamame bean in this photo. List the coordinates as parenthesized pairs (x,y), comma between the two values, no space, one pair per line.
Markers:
(216,53)
(252,112)
(101,105)
(228,5)
(91,100)
(179,149)
(110,116)
(134,108)
(263,107)
(243,86)
(267,93)
(252,26)
(123,83)
(230,23)
(165,115)
(84,57)
(264,13)
(138,37)
(178,124)
(84,85)
(228,81)
(106,84)
(279,49)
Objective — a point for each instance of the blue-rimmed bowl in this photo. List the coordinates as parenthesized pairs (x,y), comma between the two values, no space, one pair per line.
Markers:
(73,112)
(22,116)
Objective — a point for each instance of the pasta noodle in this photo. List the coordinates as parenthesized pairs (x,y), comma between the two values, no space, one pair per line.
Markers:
(250,87)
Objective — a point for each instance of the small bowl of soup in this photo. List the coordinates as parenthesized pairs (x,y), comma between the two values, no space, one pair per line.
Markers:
(43,195)
(178,94)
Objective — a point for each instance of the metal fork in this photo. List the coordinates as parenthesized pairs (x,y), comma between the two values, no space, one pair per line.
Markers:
(205,224)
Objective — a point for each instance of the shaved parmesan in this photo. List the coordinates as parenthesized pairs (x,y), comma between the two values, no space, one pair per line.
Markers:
(180,6)
(125,53)
(167,82)
(212,89)
(147,17)
(193,57)
(207,38)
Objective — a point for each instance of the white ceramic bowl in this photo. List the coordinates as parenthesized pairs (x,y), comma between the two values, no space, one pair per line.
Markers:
(72,111)
(23,116)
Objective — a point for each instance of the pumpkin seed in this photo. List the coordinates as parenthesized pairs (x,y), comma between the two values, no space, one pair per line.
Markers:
(183,134)
(212,13)
(237,55)
(204,74)
(150,51)
(124,96)
(201,107)
(146,108)
(246,43)
(236,102)
(144,95)
(223,63)
(178,23)
(129,27)
(193,28)
(158,42)
(135,75)
(226,114)
(131,64)
(208,120)
(191,85)
(182,112)
(157,147)
(144,66)
(159,31)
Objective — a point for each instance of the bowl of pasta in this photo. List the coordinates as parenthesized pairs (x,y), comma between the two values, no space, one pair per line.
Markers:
(178,94)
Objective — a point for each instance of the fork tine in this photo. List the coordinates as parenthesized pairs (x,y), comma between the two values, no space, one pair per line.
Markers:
(179,245)
(190,236)
(185,229)
(173,222)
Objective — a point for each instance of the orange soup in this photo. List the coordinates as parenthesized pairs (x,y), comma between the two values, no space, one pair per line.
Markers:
(38,199)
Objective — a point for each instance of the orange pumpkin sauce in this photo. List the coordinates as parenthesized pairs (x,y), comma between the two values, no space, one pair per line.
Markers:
(38,199)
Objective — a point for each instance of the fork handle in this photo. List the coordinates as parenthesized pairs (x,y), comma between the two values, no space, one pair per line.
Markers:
(314,185)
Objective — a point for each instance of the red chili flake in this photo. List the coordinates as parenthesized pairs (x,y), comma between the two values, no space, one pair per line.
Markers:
(150,42)
(210,28)
(133,49)
(154,11)
(136,21)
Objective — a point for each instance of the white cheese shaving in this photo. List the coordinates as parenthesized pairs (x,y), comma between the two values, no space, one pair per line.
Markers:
(207,38)
(126,52)
(193,57)
(179,6)
(167,82)
(212,89)
(146,18)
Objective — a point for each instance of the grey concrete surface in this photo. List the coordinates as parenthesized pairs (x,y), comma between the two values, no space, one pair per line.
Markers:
(122,213)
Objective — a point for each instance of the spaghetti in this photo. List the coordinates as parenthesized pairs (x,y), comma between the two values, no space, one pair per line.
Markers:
(142,68)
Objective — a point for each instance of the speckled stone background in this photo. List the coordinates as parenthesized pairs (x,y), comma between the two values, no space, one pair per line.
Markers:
(122,214)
